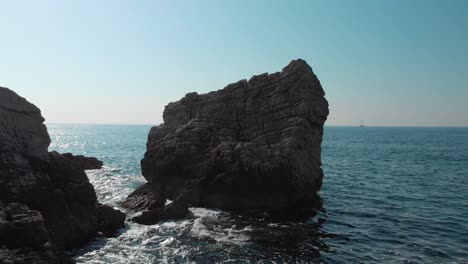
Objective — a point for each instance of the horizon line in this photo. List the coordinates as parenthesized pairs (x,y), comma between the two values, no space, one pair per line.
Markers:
(148,124)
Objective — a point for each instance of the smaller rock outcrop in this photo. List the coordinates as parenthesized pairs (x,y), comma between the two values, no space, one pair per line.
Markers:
(150,201)
(47,203)
(146,197)
(177,209)
(83,163)
(109,219)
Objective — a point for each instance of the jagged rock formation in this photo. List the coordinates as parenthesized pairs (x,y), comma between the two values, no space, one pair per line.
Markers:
(47,203)
(253,145)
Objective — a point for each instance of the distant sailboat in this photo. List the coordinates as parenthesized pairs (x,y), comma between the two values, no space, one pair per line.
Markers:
(362,124)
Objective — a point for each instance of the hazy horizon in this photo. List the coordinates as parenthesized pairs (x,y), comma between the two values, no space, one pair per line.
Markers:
(156,124)
(386,63)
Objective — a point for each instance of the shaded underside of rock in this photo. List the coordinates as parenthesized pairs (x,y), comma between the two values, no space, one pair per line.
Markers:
(47,203)
(253,145)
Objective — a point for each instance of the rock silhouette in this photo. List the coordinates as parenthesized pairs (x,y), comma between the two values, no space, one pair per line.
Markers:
(47,203)
(254,145)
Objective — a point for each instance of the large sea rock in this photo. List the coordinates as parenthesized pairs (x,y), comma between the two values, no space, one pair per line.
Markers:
(255,144)
(47,203)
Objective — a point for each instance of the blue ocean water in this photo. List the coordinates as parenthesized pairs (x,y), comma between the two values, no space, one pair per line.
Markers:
(390,195)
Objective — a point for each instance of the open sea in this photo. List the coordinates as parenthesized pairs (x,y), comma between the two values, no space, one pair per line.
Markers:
(390,195)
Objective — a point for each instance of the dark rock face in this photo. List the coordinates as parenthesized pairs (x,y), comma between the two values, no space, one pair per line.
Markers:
(46,200)
(22,227)
(24,237)
(253,145)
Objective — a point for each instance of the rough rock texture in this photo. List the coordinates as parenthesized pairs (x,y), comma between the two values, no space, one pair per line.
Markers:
(253,145)
(21,226)
(46,200)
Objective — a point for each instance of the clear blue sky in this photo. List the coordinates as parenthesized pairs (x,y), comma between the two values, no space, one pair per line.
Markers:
(385,62)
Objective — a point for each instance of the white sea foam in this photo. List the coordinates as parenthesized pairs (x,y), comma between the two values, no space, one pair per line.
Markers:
(164,242)
(215,224)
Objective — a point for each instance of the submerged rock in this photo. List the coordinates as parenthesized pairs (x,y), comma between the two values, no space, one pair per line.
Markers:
(47,203)
(253,145)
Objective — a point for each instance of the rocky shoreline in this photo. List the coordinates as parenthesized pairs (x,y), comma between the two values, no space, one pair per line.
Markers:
(253,146)
(47,204)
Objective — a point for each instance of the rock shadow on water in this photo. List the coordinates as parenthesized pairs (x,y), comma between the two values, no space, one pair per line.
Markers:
(260,236)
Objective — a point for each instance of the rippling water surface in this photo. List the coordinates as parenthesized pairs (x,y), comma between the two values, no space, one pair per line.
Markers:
(390,195)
